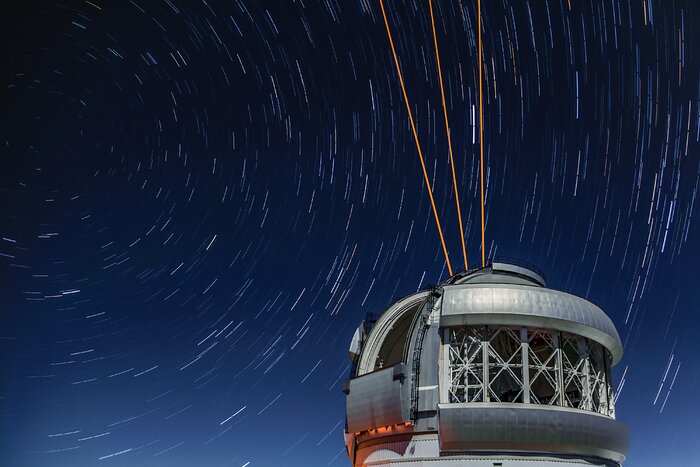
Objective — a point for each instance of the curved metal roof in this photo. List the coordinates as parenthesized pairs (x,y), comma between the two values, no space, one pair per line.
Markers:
(477,304)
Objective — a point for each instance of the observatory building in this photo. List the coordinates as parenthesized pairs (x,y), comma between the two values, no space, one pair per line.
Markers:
(490,368)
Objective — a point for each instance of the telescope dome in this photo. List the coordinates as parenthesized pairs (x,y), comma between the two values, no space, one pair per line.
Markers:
(489,368)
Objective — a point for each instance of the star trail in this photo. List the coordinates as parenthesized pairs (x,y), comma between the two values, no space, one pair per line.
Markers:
(201,200)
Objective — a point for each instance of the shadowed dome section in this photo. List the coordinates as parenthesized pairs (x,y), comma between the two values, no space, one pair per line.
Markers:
(385,344)
(391,350)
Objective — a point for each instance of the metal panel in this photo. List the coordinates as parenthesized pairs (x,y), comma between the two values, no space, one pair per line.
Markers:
(504,427)
(500,304)
(374,400)
(429,357)
(429,398)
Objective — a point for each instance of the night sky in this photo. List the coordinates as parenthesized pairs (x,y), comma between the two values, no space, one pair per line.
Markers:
(200,200)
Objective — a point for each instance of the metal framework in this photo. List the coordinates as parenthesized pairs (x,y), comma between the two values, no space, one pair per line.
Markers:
(526,365)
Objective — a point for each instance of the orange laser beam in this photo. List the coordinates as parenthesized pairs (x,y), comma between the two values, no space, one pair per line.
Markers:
(415,137)
(481,143)
(449,139)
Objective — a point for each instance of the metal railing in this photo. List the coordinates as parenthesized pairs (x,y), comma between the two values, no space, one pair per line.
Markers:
(423,328)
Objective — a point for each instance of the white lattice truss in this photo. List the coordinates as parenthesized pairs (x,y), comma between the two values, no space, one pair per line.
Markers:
(486,364)
(466,367)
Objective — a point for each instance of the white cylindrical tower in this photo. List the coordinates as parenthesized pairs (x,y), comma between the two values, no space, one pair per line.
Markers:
(490,368)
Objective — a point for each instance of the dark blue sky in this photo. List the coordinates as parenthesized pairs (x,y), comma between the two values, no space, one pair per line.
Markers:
(199,201)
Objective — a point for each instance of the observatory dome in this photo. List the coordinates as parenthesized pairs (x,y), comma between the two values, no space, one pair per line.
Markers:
(489,368)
